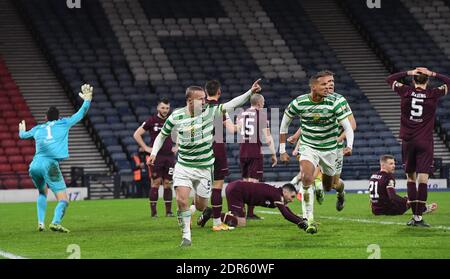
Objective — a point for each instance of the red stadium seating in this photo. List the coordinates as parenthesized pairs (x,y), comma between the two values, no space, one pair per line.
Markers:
(16,159)
(10,183)
(15,154)
(5,168)
(20,167)
(26,183)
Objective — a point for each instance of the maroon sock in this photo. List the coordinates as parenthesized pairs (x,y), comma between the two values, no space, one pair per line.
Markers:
(412,195)
(216,202)
(422,195)
(153,199)
(250,210)
(168,200)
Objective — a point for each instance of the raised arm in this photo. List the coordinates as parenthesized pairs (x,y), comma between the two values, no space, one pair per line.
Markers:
(445,79)
(241,99)
(86,94)
(23,133)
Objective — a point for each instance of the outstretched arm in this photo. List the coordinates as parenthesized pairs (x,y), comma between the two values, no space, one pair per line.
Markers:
(287,213)
(392,79)
(242,99)
(86,95)
(23,133)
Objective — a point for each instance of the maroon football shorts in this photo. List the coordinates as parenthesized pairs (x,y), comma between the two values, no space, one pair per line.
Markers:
(163,167)
(235,201)
(417,156)
(220,161)
(252,168)
(393,208)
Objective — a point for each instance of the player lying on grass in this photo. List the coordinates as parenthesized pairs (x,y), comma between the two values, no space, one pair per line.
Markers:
(52,147)
(383,198)
(240,193)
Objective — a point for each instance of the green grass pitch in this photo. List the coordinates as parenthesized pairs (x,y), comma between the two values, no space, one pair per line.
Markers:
(123,229)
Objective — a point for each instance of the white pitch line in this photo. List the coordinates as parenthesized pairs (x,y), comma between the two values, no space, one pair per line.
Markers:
(360,220)
(7,255)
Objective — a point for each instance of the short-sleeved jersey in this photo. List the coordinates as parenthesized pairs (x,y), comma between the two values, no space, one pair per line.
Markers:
(319,121)
(52,137)
(194,135)
(418,110)
(378,185)
(154,125)
(252,122)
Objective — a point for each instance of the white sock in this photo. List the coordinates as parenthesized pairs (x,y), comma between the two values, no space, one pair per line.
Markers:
(307,203)
(418,218)
(297,182)
(217,221)
(192,209)
(318,185)
(186,224)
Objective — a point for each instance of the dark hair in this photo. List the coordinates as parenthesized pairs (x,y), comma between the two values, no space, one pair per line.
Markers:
(320,74)
(420,79)
(289,187)
(52,113)
(211,87)
(191,90)
(164,101)
(384,158)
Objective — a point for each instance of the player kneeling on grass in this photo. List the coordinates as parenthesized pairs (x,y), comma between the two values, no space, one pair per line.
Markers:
(241,192)
(51,148)
(383,198)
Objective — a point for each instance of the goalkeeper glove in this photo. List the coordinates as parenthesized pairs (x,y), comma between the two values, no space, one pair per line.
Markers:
(22,126)
(86,92)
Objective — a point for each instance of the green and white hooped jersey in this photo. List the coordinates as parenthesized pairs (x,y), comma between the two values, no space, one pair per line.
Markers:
(319,122)
(194,135)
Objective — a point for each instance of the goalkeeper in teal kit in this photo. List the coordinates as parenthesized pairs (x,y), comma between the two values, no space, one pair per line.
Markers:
(52,147)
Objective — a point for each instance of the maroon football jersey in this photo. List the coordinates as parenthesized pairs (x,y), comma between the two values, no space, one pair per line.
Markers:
(261,194)
(252,122)
(154,125)
(418,110)
(378,184)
